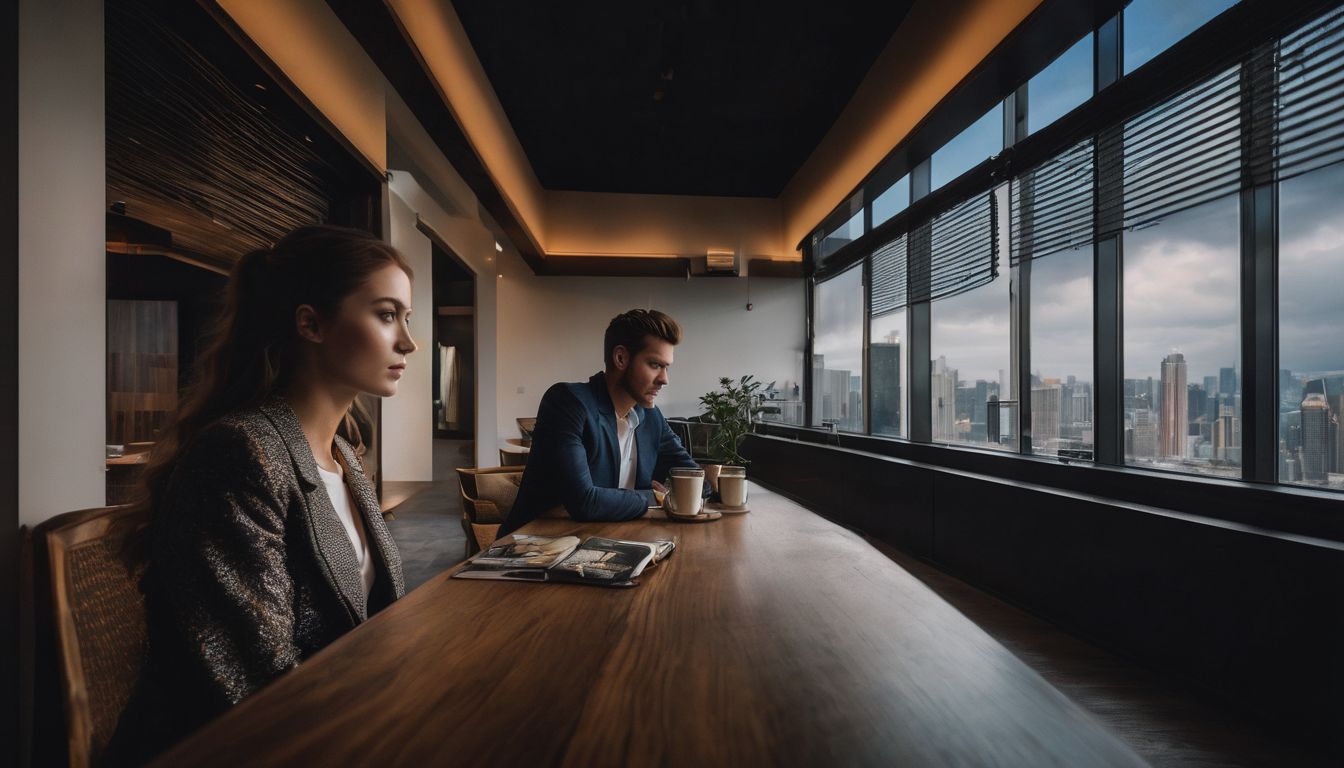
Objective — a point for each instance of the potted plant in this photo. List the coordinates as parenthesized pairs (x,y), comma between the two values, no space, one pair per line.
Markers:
(732,408)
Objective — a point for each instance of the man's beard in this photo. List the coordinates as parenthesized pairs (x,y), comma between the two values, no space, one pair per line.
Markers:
(629,387)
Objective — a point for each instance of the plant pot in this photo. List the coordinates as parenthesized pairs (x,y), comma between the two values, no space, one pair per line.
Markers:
(712,475)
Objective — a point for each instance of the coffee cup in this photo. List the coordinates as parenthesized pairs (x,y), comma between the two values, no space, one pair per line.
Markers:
(684,497)
(733,486)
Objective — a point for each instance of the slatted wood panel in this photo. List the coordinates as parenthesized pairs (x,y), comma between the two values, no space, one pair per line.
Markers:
(200,142)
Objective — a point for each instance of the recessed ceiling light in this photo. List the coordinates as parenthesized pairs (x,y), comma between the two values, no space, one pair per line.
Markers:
(498,248)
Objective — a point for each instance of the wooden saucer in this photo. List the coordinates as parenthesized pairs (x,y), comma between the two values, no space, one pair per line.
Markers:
(719,506)
(703,517)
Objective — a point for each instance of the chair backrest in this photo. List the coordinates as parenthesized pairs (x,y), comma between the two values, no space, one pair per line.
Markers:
(512,458)
(487,497)
(96,558)
(526,427)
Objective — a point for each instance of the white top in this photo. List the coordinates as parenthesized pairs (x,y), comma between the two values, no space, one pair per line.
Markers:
(625,436)
(354,528)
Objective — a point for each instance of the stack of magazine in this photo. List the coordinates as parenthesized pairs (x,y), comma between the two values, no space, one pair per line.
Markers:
(605,562)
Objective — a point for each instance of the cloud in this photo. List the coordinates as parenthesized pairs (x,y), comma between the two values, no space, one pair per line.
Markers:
(1311,263)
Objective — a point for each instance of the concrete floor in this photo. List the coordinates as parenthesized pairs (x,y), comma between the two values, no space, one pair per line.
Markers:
(427,526)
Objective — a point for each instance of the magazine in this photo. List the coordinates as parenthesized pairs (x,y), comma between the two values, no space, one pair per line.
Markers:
(606,562)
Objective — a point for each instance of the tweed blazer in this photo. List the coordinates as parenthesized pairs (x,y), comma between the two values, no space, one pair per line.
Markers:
(251,571)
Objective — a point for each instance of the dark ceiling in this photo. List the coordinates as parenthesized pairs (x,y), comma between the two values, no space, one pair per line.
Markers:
(693,97)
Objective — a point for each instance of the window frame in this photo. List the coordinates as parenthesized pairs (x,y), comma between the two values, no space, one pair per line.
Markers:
(1238,36)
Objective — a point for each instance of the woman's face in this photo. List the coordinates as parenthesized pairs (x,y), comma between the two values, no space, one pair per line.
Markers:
(365,345)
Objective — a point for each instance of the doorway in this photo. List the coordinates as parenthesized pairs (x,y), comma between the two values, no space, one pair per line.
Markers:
(454,388)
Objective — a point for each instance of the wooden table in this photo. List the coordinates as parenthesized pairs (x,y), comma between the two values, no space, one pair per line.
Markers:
(771,638)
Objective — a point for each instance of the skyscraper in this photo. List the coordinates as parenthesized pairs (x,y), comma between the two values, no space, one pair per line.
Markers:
(1145,435)
(1174,422)
(1227,383)
(1318,438)
(1227,435)
(943,390)
(884,366)
(1045,410)
(1081,413)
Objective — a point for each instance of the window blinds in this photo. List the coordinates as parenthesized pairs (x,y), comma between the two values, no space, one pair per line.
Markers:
(1182,153)
(888,278)
(1311,97)
(963,251)
(1053,205)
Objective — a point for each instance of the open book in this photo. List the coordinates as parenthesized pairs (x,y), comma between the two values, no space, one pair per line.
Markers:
(607,562)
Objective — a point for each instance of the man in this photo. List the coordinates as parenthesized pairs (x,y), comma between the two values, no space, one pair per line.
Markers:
(599,444)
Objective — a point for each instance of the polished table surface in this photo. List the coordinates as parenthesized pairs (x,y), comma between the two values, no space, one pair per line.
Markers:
(770,638)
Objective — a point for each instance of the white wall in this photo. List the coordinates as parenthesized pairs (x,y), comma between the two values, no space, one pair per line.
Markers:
(474,244)
(551,330)
(408,417)
(62,262)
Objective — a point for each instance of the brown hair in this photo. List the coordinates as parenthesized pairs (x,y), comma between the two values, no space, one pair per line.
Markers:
(251,354)
(630,329)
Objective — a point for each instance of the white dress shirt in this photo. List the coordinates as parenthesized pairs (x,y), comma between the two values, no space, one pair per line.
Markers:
(354,528)
(625,436)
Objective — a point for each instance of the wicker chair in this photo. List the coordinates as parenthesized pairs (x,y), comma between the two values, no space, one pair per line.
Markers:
(96,614)
(487,497)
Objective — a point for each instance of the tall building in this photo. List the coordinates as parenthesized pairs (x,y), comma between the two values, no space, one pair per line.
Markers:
(1145,435)
(884,388)
(1081,410)
(818,365)
(1175,420)
(1227,382)
(835,399)
(1227,435)
(943,391)
(1318,439)
(1045,410)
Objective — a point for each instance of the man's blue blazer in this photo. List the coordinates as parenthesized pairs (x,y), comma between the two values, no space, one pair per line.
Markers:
(575,458)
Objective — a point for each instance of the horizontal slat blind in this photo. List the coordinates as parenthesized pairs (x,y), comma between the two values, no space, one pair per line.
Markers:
(963,251)
(1182,153)
(1311,96)
(1053,205)
(889,286)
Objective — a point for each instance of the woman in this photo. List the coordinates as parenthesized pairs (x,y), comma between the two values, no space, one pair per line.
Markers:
(266,539)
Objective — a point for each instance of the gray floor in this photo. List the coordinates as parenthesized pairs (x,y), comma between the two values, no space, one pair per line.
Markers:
(428,526)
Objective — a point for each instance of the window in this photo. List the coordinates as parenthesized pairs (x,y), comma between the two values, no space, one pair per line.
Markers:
(1061,355)
(1311,255)
(887,370)
(841,236)
(1311,313)
(1052,235)
(1063,85)
(1167,185)
(891,202)
(970,342)
(837,352)
(1182,289)
(1152,26)
(982,140)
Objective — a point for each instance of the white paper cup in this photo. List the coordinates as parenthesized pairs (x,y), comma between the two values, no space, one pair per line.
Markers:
(684,497)
(733,486)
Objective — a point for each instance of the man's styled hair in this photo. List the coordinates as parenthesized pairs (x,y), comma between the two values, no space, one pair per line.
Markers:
(630,329)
